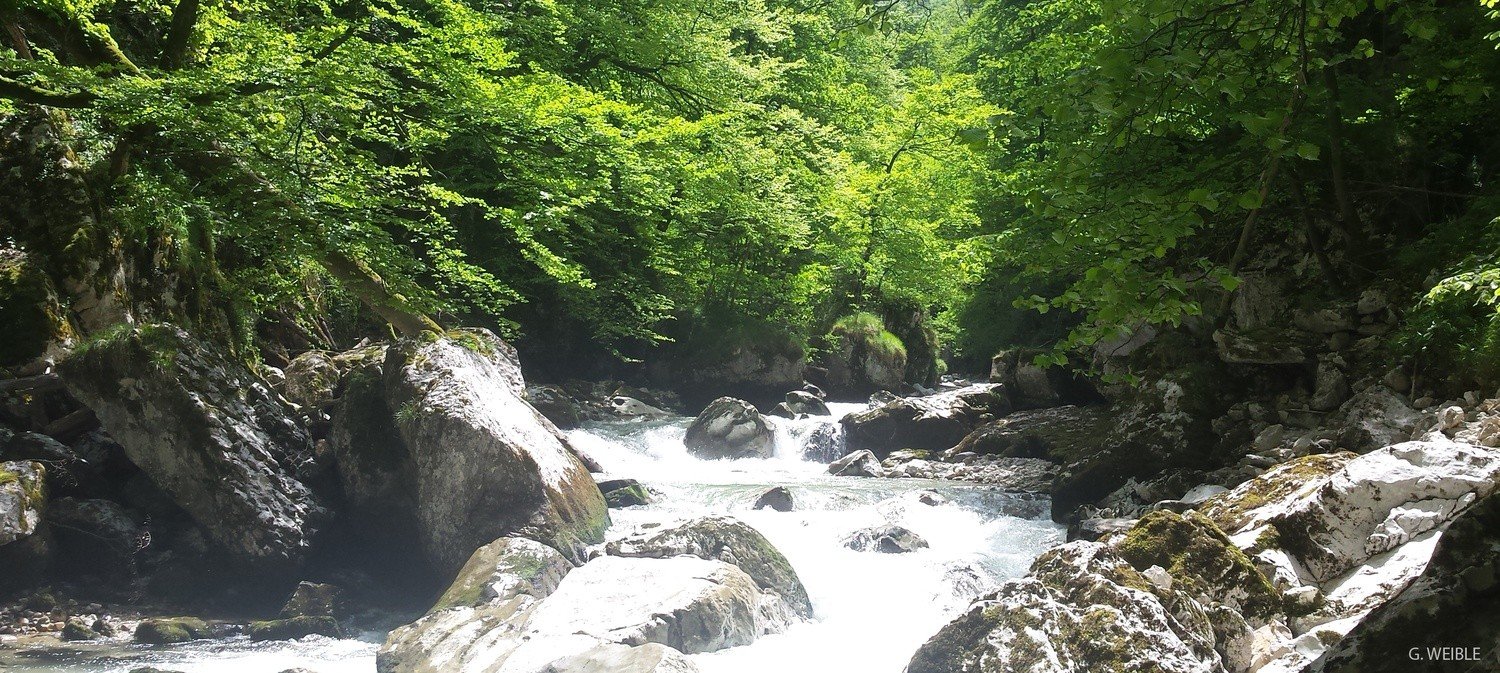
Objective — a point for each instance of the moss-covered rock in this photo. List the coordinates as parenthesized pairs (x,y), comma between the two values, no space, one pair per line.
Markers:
(503,569)
(1280,485)
(1201,561)
(23,499)
(29,309)
(294,628)
(167,631)
(864,357)
(624,493)
(311,599)
(76,629)
(1083,608)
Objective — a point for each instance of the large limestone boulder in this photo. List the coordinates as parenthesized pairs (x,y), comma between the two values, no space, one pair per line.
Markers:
(1455,603)
(730,428)
(504,569)
(1350,532)
(726,539)
(25,546)
(864,358)
(1334,517)
(436,448)
(615,658)
(1082,608)
(689,604)
(861,463)
(518,609)
(935,423)
(209,433)
(1060,434)
(94,537)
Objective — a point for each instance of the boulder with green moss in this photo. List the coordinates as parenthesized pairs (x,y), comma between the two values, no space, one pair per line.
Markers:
(934,423)
(438,452)
(209,433)
(312,599)
(1201,561)
(865,357)
(26,546)
(624,493)
(23,499)
(1081,608)
(294,628)
(167,631)
(503,569)
(29,308)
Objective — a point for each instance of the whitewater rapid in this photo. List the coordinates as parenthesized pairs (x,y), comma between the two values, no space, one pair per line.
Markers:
(872,610)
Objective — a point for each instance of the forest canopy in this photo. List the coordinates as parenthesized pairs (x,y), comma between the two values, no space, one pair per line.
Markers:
(607,178)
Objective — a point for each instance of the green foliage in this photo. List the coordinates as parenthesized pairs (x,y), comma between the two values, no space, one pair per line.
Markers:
(558,166)
(1147,137)
(606,177)
(1454,331)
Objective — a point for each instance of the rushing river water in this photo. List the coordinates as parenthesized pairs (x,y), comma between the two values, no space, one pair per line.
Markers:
(872,610)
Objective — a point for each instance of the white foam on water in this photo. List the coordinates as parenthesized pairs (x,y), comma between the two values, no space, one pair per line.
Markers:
(872,610)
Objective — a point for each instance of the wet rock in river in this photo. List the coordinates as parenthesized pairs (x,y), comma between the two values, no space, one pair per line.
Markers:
(726,539)
(312,599)
(824,444)
(935,423)
(805,403)
(887,539)
(624,493)
(169,631)
(640,613)
(730,428)
(861,463)
(294,628)
(778,498)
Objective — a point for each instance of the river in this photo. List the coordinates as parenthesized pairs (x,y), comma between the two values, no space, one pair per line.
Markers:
(872,610)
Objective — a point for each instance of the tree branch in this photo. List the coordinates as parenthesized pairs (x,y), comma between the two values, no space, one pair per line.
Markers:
(20,91)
